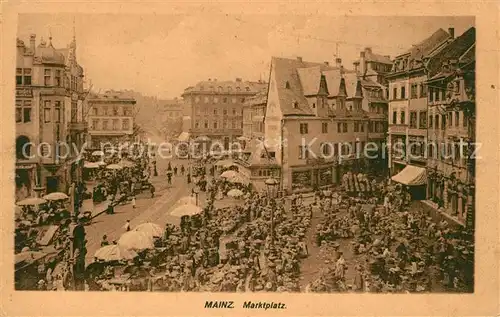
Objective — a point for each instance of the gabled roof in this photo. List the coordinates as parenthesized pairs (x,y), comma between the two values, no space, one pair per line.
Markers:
(468,56)
(372,57)
(259,99)
(309,79)
(454,50)
(428,45)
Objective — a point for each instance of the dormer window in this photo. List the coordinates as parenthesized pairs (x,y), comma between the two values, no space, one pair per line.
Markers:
(287,85)
(296,105)
(247,88)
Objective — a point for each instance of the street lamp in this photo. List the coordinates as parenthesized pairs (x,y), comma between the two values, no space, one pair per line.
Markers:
(272,186)
(196,191)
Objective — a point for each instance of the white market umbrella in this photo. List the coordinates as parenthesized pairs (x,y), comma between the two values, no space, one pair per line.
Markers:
(229,174)
(101,163)
(114,167)
(203,138)
(90,165)
(114,252)
(234,193)
(188,200)
(149,228)
(186,210)
(98,153)
(126,163)
(56,196)
(32,201)
(239,179)
(136,240)
(242,138)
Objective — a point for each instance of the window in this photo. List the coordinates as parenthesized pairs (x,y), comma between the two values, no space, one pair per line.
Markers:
(443,122)
(105,124)
(370,126)
(46,77)
(125,124)
(233,100)
(233,124)
(450,119)
(224,100)
(413,92)
(303,152)
(197,99)
(115,110)
(314,105)
(457,118)
(339,127)
(436,122)
(47,111)
(296,105)
(23,111)
(219,89)
(324,127)
(224,112)
(362,127)
(242,100)
(57,78)
(356,127)
(403,115)
(437,93)
(197,124)
(287,85)
(394,117)
(413,119)
(115,124)
(403,92)
(430,121)
(94,124)
(234,111)
(395,93)
(105,110)
(431,94)
(215,111)
(19,76)
(215,124)
(422,120)
(57,112)
(304,128)
(344,125)
(464,120)
(23,76)
(457,87)
(94,111)
(423,91)
(206,124)
(74,110)
(326,148)
(216,100)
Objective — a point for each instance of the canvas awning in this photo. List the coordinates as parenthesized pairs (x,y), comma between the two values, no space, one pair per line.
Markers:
(411,176)
(183,137)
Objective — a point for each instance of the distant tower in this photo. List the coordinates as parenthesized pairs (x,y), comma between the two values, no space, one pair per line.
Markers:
(72,46)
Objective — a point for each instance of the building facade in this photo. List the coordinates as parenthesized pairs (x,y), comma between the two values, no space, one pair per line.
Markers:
(110,118)
(50,127)
(168,117)
(314,125)
(374,66)
(215,109)
(254,112)
(451,126)
(408,110)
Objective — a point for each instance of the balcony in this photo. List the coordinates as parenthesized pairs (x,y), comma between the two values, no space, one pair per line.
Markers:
(78,126)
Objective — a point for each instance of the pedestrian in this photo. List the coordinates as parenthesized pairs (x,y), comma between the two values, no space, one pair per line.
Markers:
(126,227)
(169,178)
(133,202)
(104,241)
(175,171)
(189,178)
(152,189)
(182,170)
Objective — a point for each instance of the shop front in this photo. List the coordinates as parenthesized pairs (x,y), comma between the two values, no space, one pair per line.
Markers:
(24,180)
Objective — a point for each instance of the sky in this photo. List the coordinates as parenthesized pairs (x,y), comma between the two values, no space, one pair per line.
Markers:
(161,55)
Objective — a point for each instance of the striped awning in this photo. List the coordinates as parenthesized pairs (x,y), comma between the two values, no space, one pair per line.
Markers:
(411,176)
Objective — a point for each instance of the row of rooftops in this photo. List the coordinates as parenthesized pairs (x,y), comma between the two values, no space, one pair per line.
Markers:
(238,86)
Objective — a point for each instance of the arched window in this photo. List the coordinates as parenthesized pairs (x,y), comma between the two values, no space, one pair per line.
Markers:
(23,148)
(229,88)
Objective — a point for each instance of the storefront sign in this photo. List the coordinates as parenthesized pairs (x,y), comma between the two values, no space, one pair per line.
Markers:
(25,166)
(24,93)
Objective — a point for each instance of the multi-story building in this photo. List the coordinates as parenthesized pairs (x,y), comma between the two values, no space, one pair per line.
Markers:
(216,108)
(314,125)
(408,111)
(168,117)
(451,124)
(50,128)
(110,118)
(374,66)
(254,111)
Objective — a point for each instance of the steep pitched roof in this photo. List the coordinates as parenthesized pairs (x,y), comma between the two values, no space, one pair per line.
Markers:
(428,45)
(468,56)
(454,50)
(309,79)
(351,81)
(372,57)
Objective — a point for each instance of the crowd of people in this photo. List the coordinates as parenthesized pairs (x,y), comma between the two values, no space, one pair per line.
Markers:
(394,248)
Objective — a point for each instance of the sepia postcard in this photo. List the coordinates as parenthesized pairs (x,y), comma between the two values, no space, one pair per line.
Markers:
(239,158)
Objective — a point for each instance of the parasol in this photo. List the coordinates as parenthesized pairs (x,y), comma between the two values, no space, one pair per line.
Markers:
(136,240)
(151,229)
(98,153)
(229,174)
(31,201)
(126,163)
(56,196)
(90,165)
(186,210)
(235,193)
(101,163)
(114,252)
(188,200)
(114,167)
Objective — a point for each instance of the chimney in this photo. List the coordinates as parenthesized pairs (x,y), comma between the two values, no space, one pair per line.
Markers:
(327,63)
(356,65)
(32,41)
(362,54)
(210,79)
(238,80)
(299,59)
(368,50)
(451,31)
(338,62)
